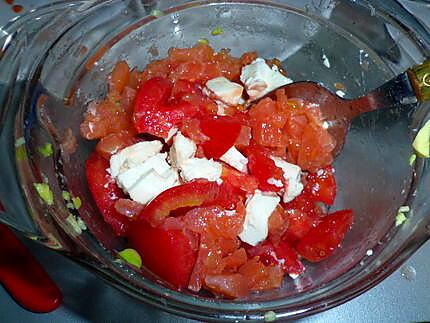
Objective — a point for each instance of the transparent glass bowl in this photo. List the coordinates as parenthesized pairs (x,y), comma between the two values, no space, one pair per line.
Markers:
(55,60)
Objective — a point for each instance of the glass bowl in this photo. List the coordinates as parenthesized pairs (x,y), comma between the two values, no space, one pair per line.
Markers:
(55,61)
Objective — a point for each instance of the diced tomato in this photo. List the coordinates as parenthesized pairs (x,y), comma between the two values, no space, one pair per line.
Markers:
(167,253)
(191,129)
(222,132)
(244,138)
(267,124)
(261,277)
(114,142)
(228,285)
(321,185)
(321,241)
(190,194)
(244,182)
(105,193)
(302,214)
(264,169)
(119,77)
(278,224)
(152,112)
(281,255)
(233,261)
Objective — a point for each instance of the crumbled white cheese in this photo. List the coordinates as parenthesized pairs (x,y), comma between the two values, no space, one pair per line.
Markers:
(259,207)
(224,90)
(194,168)
(182,149)
(293,276)
(259,79)
(152,184)
(142,171)
(292,175)
(235,159)
(133,156)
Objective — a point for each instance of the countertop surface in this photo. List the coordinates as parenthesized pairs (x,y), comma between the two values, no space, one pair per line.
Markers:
(402,297)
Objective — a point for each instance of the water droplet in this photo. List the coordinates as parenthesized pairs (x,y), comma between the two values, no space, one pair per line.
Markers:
(408,272)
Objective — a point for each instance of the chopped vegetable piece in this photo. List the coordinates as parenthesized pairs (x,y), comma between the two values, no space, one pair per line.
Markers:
(76,202)
(321,185)
(412,159)
(321,241)
(217,31)
(20,153)
(270,316)
(167,253)
(203,41)
(46,150)
(65,195)
(404,209)
(131,257)
(157,13)
(421,142)
(44,192)
(77,226)
(19,142)
(400,218)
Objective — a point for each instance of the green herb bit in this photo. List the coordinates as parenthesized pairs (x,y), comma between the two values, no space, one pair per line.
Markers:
(46,150)
(71,219)
(400,218)
(131,256)
(404,209)
(65,195)
(412,159)
(217,31)
(20,153)
(70,205)
(270,316)
(44,192)
(76,202)
(19,142)
(203,41)
(157,13)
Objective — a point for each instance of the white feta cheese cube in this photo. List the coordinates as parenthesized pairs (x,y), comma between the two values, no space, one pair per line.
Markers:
(182,149)
(235,159)
(259,208)
(128,178)
(275,182)
(292,175)
(223,89)
(259,79)
(152,184)
(133,155)
(195,168)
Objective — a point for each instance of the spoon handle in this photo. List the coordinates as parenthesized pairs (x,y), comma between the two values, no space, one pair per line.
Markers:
(419,76)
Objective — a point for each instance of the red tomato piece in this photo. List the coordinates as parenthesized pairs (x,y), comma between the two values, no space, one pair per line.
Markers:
(222,132)
(244,182)
(282,255)
(105,193)
(320,242)
(114,142)
(152,112)
(302,214)
(264,169)
(167,253)
(228,285)
(190,194)
(321,186)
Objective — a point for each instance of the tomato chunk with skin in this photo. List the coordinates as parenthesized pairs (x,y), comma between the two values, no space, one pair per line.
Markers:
(105,193)
(320,242)
(321,185)
(228,285)
(167,253)
(222,132)
(153,113)
(191,194)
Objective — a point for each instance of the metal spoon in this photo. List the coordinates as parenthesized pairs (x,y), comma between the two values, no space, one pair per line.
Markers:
(409,87)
